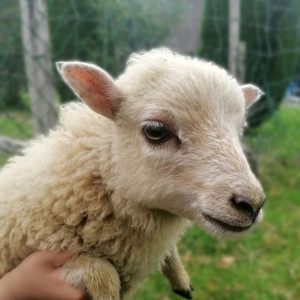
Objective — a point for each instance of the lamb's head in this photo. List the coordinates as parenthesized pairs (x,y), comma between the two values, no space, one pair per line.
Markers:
(177,124)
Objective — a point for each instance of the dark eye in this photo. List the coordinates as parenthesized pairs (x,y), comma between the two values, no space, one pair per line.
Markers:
(156,132)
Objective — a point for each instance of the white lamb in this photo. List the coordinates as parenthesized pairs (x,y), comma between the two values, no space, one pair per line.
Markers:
(123,174)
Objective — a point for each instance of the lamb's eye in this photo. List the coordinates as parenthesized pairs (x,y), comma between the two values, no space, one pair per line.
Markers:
(156,132)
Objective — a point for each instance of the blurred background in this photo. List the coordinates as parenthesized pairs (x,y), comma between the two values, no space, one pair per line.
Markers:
(258,41)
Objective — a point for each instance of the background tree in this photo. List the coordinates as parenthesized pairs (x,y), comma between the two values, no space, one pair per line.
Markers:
(103,32)
(11,56)
(106,32)
(270,31)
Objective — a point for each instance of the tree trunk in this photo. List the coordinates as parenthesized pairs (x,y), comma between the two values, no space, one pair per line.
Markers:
(234,36)
(38,63)
(11,146)
(184,37)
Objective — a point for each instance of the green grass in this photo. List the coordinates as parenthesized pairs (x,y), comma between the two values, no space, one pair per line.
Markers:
(264,265)
(16,125)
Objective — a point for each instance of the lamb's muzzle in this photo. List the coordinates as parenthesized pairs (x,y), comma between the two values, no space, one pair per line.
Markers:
(247,205)
(248,208)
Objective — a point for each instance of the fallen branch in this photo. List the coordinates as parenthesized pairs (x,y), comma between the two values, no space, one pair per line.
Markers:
(10,145)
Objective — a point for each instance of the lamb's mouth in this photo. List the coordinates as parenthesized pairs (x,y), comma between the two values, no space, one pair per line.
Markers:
(224,225)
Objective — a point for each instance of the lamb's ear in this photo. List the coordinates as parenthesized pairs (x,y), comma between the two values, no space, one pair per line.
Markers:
(93,85)
(251,94)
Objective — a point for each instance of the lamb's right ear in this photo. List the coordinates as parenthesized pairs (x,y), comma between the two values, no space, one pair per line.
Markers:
(93,85)
(251,94)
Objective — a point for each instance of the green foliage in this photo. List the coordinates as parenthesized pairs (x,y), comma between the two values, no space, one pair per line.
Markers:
(271,32)
(16,125)
(11,60)
(265,264)
(103,32)
(106,32)
(273,41)
(214,32)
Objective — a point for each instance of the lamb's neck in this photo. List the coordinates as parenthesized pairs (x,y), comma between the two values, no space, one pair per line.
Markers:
(148,221)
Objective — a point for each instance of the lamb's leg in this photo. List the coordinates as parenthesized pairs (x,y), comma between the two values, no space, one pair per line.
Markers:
(174,270)
(97,276)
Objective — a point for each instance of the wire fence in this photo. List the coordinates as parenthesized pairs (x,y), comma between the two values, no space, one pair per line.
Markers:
(257,40)
(36,33)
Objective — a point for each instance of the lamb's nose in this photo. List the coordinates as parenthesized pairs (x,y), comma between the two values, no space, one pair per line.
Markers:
(247,205)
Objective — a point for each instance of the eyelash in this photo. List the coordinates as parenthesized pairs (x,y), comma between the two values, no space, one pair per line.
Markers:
(167,136)
(156,132)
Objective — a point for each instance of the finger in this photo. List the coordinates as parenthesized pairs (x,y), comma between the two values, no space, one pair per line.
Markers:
(61,258)
(41,256)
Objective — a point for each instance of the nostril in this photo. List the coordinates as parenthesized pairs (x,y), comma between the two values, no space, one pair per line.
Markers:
(243,204)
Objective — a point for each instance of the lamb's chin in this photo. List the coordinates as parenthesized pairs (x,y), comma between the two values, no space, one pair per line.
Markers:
(222,230)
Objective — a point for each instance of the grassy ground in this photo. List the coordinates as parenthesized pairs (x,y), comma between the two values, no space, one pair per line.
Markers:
(264,265)
(14,124)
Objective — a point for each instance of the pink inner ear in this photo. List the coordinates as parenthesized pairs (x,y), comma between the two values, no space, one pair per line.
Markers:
(250,94)
(92,86)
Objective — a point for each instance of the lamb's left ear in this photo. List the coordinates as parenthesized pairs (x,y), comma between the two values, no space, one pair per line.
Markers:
(93,85)
(251,93)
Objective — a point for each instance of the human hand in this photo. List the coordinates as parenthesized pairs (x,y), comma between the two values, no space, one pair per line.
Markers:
(39,277)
